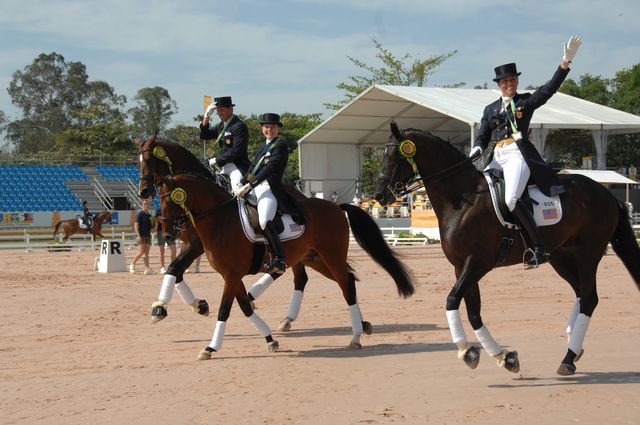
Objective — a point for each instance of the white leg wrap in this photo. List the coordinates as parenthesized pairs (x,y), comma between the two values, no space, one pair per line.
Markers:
(218,336)
(166,290)
(185,293)
(356,319)
(572,316)
(456,328)
(578,333)
(295,304)
(260,325)
(261,285)
(488,343)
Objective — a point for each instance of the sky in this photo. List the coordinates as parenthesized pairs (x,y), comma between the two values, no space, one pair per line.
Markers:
(289,55)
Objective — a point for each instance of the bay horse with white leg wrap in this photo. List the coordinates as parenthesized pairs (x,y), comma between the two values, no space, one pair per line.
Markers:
(216,219)
(473,237)
(72,226)
(159,158)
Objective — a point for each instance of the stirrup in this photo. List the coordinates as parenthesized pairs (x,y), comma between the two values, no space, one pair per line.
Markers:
(532,258)
(277,266)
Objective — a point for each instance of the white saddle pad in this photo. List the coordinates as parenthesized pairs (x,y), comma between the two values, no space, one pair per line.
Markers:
(292,230)
(547,210)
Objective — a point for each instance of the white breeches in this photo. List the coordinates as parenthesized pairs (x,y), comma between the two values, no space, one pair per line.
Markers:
(267,203)
(515,169)
(234,174)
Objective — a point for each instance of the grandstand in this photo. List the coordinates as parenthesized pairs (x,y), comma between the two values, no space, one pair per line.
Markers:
(42,188)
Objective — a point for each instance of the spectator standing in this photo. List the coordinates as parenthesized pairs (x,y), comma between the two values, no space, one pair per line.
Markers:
(142,227)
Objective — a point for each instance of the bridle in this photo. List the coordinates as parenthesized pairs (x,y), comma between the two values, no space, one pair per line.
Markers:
(158,153)
(406,150)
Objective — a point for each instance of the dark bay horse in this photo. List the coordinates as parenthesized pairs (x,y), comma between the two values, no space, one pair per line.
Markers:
(215,217)
(72,226)
(159,158)
(473,238)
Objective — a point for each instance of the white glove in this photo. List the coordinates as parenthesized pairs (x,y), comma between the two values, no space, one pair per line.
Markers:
(212,162)
(240,191)
(476,150)
(210,109)
(571,48)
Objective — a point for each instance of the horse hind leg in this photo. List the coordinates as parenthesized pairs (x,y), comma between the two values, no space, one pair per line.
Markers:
(566,265)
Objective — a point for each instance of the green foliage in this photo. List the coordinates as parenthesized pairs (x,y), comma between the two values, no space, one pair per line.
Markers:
(53,95)
(154,111)
(371,166)
(395,71)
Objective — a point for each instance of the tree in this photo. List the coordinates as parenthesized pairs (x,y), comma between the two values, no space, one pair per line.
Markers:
(154,111)
(394,71)
(51,93)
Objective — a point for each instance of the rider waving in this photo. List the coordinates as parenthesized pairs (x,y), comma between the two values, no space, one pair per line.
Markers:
(505,123)
(232,136)
(265,180)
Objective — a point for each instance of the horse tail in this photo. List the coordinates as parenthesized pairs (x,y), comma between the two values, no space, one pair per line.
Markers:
(369,237)
(55,229)
(625,245)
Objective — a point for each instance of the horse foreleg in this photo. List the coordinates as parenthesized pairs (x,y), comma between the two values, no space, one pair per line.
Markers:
(261,325)
(174,277)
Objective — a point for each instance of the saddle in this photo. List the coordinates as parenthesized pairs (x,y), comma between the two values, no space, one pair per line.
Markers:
(546,210)
(85,225)
(286,227)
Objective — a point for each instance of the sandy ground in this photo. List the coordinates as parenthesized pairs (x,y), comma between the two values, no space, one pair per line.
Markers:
(78,347)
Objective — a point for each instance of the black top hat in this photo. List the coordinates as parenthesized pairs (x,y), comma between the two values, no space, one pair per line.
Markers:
(270,118)
(223,101)
(506,70)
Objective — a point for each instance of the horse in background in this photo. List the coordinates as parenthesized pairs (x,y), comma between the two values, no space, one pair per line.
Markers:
(475,242)
(72,226)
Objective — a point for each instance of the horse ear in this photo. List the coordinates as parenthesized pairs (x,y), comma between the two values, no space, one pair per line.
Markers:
(395,130)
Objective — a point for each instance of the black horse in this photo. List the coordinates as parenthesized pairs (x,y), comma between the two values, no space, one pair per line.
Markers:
(475,242)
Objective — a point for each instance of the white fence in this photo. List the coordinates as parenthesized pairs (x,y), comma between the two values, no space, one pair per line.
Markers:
(40,238)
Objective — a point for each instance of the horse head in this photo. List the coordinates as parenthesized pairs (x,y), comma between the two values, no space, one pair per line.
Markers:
(417,156)
(398,175)
(154,164)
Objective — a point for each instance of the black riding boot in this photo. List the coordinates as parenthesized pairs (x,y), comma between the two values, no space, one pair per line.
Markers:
(271,234)
(528,225)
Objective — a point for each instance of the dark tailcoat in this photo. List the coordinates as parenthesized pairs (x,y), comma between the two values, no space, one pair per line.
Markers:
(495,126)
(233,143)
(271,169)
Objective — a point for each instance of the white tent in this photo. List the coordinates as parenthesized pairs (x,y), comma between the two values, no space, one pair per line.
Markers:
(604,177)
(331,154)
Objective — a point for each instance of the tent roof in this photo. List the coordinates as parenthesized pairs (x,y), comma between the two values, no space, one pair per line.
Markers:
(450,113)
(601,176)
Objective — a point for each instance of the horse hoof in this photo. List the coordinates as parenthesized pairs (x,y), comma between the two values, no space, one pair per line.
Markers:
(355,345)
(206,353)
(511,362)
(367,328)
(203,308)
(471,357)
(566,369)
(273,346)
(158,312)
(285,325)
